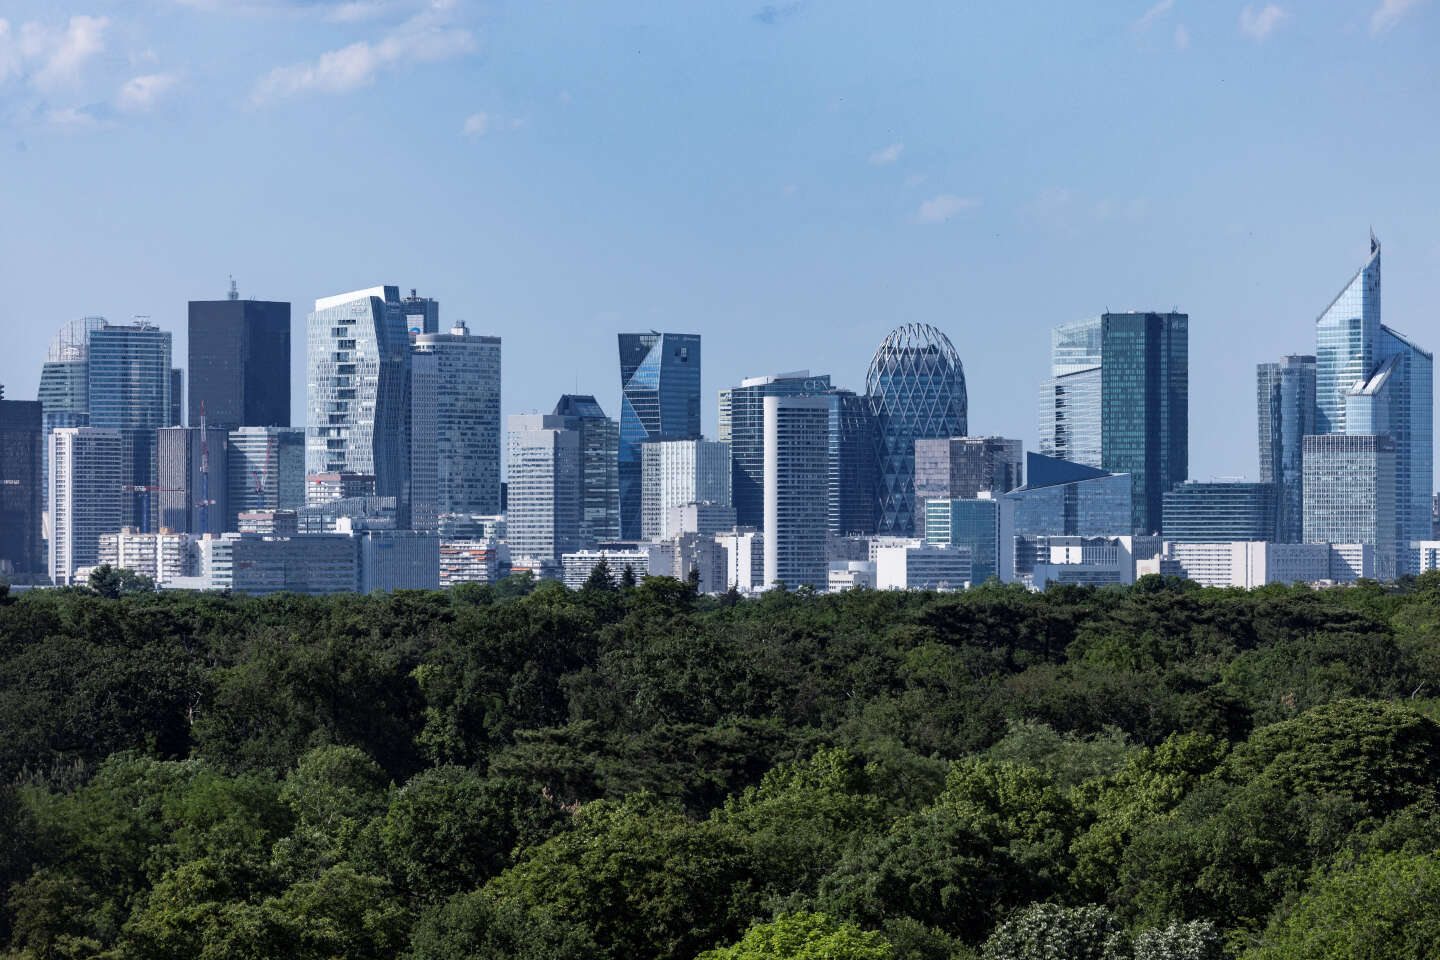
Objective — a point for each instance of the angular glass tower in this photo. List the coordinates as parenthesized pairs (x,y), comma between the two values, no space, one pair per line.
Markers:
(659,400)
(600,469)
(1372,380)
(916,387)
(1285,403)
(358,369)
(240,363)
(742,424)
(1070,399)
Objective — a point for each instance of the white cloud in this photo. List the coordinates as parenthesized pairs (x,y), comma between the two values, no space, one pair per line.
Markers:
(1154,13)
(1389,13)
(140,93)
(1182,37)
(51,58)
(942,207)
(889,155)
(475,125)
(1258,24)
(431,35)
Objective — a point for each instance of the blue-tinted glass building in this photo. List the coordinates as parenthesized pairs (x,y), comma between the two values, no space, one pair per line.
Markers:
(1370,379)
(1070,399)
(916,386)
(973,523)
(1064,499)
(599,467)
(1285,406)
(239,363)
(1350,494)
(659,400)
(358,368)
(742,425)
(129,390)
(854,466)
(961,468)
(1198,512)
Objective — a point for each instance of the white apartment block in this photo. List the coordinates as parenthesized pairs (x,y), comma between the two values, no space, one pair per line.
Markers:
(85,496)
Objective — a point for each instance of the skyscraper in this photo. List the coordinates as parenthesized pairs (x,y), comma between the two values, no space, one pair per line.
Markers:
(659,400)
(1285,398)
(677,472)
(422,480)
(65,384)
(1070,399)
(358,366)
(422,314)
(1350,494)
(193,479)
(177,397)
(266,470)
(543,519)
(960,468)
(1370,379)
(742,425)
(240,362)
(467,419)
(129,387)
(600,469)
(853,465)
(916,386)
(796,475)
(85,496)
(21,497)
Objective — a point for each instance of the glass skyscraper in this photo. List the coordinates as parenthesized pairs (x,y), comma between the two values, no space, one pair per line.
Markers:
(543,516)
(1350,494)
(467,419)
(1070,399)
(22,448)
(600,469)
(129,388)
(916,387)
(1285,401)
(266,469)
(659,400)
(677,472)
(239,363)
(1199,512)
(854,468)
(1369,380)
(65,383)
(742,424)
(358,368)
(796,472)
(194,479)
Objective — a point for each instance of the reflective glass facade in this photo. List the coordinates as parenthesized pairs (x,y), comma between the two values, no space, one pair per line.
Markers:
(960,468)
(742,424)
(358,367)
(916,386)
(1285,406)
(600,470)
(239,363)
(1061,498)
(854,466)
(1070,399)
(1346,343)
(266,469)
(973,523)
(1216,512)
(659,400)
(796,475)
(1350,494)
(677,472)
(467,419)
(22,449)
(194,473)
(129,387)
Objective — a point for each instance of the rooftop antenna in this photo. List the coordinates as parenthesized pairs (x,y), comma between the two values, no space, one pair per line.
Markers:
(234,293)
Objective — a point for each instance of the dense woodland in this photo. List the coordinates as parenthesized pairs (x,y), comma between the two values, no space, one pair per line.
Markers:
(632,772)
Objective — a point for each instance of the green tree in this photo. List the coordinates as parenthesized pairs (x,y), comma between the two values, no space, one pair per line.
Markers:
(805,936)
(115,582)
(1044,931)
(600,578)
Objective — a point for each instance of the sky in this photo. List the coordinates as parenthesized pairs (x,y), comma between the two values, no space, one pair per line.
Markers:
(791,180)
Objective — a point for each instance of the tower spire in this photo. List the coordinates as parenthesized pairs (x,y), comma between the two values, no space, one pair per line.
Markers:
(234,293)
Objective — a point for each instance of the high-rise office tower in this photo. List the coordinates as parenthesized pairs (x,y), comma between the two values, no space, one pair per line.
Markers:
(543,519)
(358,366)
(916,386)
(266,470)
(22,448)
(854,466)
(467,419)
(796,476)
(194,479)
(659,400)
(240,362)
(960,468)
(1285,401)
(1369,380)
(422,314)
(422,478)
(85,496)
(1350,494)
(677,472)
(1215,512)
(65,385)
(129,387)
(600,468)
(177,397)
(1118,400)
(742,425)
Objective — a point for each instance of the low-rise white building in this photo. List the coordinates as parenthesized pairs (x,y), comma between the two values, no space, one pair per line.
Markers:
(848,574)
(575,568)
(163,557)
(923,566)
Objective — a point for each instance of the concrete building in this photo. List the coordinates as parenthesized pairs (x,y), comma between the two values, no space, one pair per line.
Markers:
(543,520)
(577,566)
(707,518)
(397,559)
(1083,561)
(796,477)
(849,574)
(677,556)
(471,561)
(744,559)
(85,496)
(254,564)
(273,522)
(164,557)
(1250,563)
(677,472)
(922,566)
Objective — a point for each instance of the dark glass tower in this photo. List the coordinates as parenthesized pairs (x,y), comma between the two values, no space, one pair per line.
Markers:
(21,498)
(659,400)
(742,424)
(129,387)
(599,468)
(194,479)
(1285,404)
(240,363)
(854,467)
(1145,406)
(960,468)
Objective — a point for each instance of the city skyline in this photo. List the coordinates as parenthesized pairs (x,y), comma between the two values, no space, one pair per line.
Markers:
(632,169)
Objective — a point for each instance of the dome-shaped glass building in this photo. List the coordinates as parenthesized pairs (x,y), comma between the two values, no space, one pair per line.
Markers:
(916,386)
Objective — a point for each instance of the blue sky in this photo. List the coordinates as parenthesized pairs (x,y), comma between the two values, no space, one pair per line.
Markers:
(788,179)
